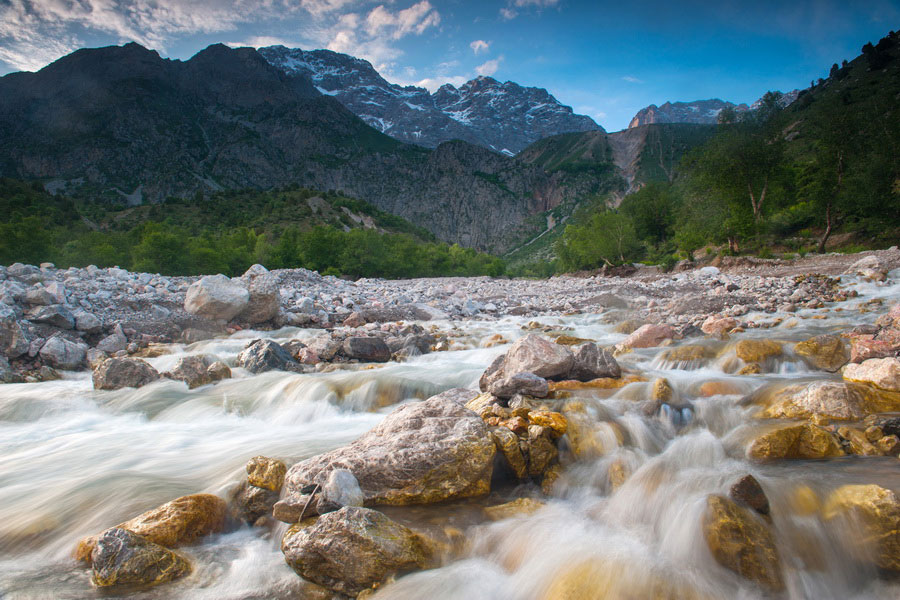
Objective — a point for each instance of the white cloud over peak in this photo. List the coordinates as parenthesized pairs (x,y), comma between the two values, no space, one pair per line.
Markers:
(479,46)
(433,83)
(490,67)
(415,19)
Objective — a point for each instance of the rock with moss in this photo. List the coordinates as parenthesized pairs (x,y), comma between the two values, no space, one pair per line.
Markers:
(124,559)
(869,518)
(803,441)
(824,352)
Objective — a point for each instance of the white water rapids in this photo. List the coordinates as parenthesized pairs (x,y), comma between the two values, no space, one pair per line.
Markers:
(74,461)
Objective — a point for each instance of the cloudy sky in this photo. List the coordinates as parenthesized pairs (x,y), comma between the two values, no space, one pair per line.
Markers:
(606,59)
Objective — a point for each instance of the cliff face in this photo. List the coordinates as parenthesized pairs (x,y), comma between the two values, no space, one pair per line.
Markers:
(700,112)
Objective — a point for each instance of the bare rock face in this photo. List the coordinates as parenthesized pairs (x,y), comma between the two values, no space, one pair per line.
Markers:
(421,453)
(530,354)
(216,297)
(520,383)
(13,341)
(353,549)
(366,349)
(117,373)
(122,558)
(265,355)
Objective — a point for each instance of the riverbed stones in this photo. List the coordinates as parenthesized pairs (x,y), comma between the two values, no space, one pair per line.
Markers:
(824,352)
(199,370)
(340,489)
(421,453)
(181,521)
(266,472)
(55,315)
(803,441)
(63,354)
(742,542)
(520,383)
(13,340)
(883,373)
(252,505)
(717,325)
(117,373)
(353,549)
(529,354)
(831,399)
(216,297)
(647,336)
(260,356)
(366,349)
(508,447)
(592,362)
(757,351)
(870,518)
(263,301)
(749,492)
(123,559)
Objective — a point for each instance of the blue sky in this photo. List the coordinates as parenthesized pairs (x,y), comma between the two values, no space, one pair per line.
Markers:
(605,59)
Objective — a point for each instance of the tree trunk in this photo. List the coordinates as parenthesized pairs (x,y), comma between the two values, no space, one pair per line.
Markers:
(828,224)
(829,215)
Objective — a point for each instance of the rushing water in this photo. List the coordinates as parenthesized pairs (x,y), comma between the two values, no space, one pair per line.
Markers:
(74,461)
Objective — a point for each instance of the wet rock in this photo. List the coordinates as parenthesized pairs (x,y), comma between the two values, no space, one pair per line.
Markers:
(540,452)
(340,489)
(117,373)
(55,315)
(421,453)
(824,352)
(114,342)
(529,354)
(689,356)
(610,578)
(742,542)
(883,373)
(555,423)
(869,267)
(366,349)
(517,508)
(864,347)
(592,362)
(260,356)
(265,472)
(250,503)
(718,325)
(717,388)
(831,399)
(121,558)
(264,300)
(528,384)
(661,391)
(757,351)
(804,441)
(216,297)
(13,340)
(508,447)
(63,354)
(870,518)
(748,492)
(193,370)
(647,336)
(353,549)
(218,371)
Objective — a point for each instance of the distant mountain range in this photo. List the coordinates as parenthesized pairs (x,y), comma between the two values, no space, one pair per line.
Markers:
(699,112)
(504,117)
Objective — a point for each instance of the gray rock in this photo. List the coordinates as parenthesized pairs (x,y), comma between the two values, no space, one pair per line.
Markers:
(63,354)
(123,558)
(39,296)
(250,503)
(55,315)
(114,342)
(531,354)
(13,341)
(366,349)
(264,299)
(340,489)
(592,361)
(421,453)
(87,322)
(458,395)
(193,370)
(520,383)
(216,297)
(117,373)
(6,372)
(265,355)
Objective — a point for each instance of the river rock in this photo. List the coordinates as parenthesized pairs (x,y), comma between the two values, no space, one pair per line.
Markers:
(6,373)
(592,362)
(529,354)
(883,373)
(507,444)
(868,267)
(39,296)
(517,508)
(55,315)
(114,342)
(757,351)
(520,383)
(87,322)
(196,370)
(421,453)
(742,542)
(353,549)
(260,356)
(340,489)
(117,373)
(647,336)
(870,516)
(250,504)
(265,472)
(63,354)
(13,341)
(121,558)
(832,399)
(748,492)
(216,297)
(804,441)
(264,300)
(366,349)
(718,325)
(180,521)
(824,352)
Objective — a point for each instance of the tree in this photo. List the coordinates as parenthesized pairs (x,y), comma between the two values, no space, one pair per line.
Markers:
(606,238)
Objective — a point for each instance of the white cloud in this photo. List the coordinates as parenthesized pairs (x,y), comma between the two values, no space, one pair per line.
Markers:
(433,83)
(632,79)
(479,46)
(490,67)
(259,41)
(508,14)
(415,19)
(538,3)
(321,7)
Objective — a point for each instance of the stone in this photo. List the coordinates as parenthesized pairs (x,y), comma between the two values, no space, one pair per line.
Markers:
(250,503)
(742,542)
(647,336)
(864,347)
(532,354)
(661,390)
(39,296)
(868,267)
(421,453)
(718,325)
(803,441)
(353,549)
(340,489)
(265,472)
(748,492)
(831,399)
(6,373)
(611,578)
(63,354)
(216,297)
(117,373)
(883,373)
(193,370)
(824,352)
(260,356)
(757,351)
(13,340)
(870,518)
(55,315)
(540,453)
(592,362)
(718,388)
(555,423)
(517,508)
(687,357)
(123,559)
(114,342)
(264,300)
(87,322)
(366,349)
(508,446)
(218,371)
(526,383)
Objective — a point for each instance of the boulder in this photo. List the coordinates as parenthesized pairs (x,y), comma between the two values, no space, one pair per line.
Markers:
(647,336)
(55,315)
(520,383)
(718,325)
(340,489)
(265,355)
(87,322)
(592,362)
(366,349)
(803,441)
(250,504)
(863,347)
(13,341)
(353,549)
(868,267)
(6,373)
(517,508)
(114,342)
(117,373)
(264,299)
(883,373)
(530,354)
(265,472)
(218,371)
(39,296)
(508,447)
(824,352)
(63,354)
(757,351)
(748,492)
(194,370)
(121,558)
(421,453)
(870,518)
(831,399)
(742,542)
(216,297)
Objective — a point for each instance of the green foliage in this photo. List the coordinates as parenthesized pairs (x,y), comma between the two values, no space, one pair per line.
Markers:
(605,238)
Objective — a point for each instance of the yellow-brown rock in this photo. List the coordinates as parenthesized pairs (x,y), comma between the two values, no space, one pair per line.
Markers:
(691,353)
(554,422)
(266,473)
(602,383)
(516,508)
(824,352)
(751,369)
(551,476)
(507,444)
(804,501)
(755,351)
(741,541)
(662,390)
(803,441)
(870,517)
(570,340)
(717,388)
(859,445)
(617,474)
(615,579)
(836,400)
(889,445)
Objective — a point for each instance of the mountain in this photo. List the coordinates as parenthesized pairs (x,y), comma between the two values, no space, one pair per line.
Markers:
(699,112)
(504,117)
